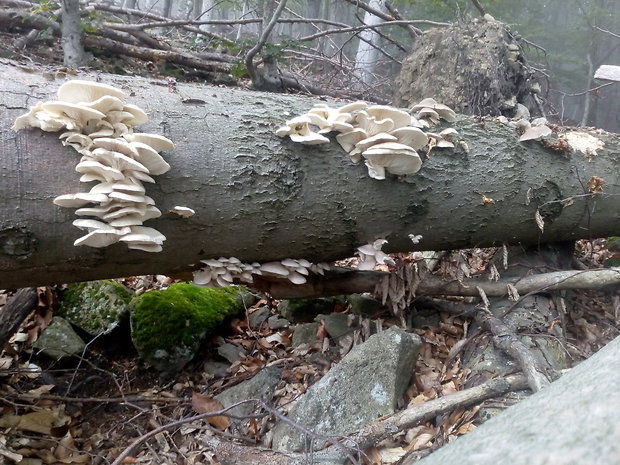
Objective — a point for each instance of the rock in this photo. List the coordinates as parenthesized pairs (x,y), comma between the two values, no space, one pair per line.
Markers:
(366,384)
(364,305)
(337,324)
(213,369)
(260,386)
(168,326)
(305,333)
(59,340)
(96,307)
(231,352)
(258,317)
(276,322)
(305,310)
(572,421)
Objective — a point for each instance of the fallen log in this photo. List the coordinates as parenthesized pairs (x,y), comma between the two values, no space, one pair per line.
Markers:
(260,198)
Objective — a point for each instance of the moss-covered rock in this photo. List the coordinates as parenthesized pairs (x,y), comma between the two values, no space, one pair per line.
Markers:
(96,307)
(168,326)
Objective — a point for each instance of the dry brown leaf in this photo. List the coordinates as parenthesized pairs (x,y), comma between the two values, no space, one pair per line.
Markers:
(41,421)
(205,404)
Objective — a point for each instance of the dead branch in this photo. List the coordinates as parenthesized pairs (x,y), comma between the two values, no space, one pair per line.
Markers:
(382,429)
(413,31)
(15,312)
(342,280)
(555,281)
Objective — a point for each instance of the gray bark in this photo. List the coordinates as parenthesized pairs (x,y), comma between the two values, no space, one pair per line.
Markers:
(72,41)
(259,198)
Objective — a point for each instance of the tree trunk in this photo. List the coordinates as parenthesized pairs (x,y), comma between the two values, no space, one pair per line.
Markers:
(367,50)
(259,198)
(72,42)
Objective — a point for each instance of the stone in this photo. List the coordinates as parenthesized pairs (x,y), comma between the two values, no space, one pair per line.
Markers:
(59,340)
(337,324)
(366,384)
(231,352)
(96,307)
(258,317)
(168,326)
(260,386)
(305,310)
(572,421)
(364,305)
(305,333)
(275,322)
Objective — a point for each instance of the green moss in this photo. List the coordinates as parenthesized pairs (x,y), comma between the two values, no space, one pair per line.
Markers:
(168,326)
(95,306)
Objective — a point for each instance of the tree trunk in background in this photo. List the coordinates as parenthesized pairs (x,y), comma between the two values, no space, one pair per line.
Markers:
(367,50)
(129,4)
(260,198)
(72,43)
(167,9)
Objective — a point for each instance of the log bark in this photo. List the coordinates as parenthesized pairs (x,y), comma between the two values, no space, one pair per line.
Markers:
(259,198)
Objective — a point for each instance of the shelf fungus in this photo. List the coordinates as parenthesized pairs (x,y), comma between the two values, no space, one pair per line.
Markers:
(98,124)
(386,138)
(229,271)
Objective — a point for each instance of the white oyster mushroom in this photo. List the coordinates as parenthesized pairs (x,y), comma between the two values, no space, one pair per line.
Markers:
(183,212)
(535,133)
(105,104)
(398,117)
(149,157)
(429,114)
(413,137)
(443,111)
(396,158)
(157,142)
(365,144)
(76,140)
(77,91)
(298,130)
(371,125)
(371,254)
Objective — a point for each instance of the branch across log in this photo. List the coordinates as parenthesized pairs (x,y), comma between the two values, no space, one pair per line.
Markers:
(259,198)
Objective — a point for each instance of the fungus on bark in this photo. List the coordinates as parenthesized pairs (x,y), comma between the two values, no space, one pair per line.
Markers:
(99,126)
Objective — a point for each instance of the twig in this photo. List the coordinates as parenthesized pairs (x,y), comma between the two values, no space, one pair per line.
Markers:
(391,22)
(15,312)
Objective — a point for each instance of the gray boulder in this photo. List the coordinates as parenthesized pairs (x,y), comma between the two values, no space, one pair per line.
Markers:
(366,384)
(260,386)
(574,421)
(59,340)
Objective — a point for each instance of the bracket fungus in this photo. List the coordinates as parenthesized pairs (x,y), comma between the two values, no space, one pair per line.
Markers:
(99,126)
(386,138)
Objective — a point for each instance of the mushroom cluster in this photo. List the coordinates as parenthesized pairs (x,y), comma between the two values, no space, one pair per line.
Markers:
(371,255)
(386,138)
(227,271)
(99,126)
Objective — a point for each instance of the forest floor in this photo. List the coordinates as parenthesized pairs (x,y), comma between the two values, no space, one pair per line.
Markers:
(90,409)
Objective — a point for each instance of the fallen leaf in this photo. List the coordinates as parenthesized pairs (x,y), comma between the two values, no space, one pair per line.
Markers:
(205,404)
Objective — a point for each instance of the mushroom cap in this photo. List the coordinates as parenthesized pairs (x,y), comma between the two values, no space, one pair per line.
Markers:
(95,168)
(98,238)
(116,145)
(144,234)
(76,140)
(157,142)
(373,140)
(430,114)
(411,136)
(138,116)
(149,157)
(440,109)
(372,125)
(349,107)
(79,200)
(347,140)
(183,212)
(145,246)
(105,104)
(312,138)
(76,91)
(535,133)
(275,268)
(78,113)
(91,225)
(396,158)
(400,118)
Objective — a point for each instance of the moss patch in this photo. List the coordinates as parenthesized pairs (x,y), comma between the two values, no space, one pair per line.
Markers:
(96,307)
(168,326)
